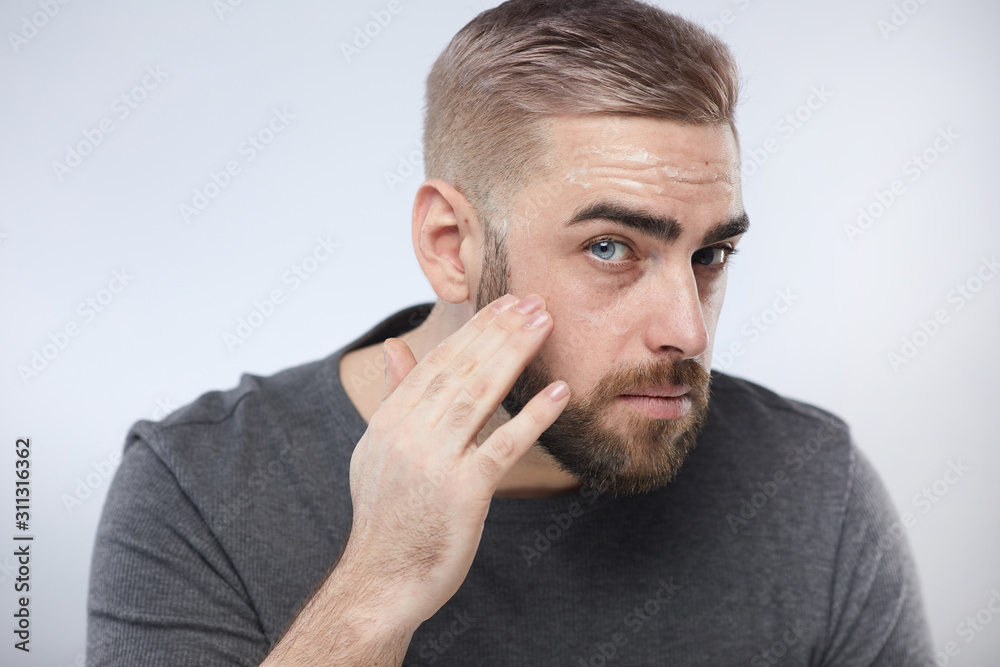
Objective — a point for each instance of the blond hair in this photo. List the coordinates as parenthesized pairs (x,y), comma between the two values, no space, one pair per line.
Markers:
(491,89)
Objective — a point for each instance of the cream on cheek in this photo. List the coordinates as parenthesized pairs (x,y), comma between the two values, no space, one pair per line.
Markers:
(589,336)
(585,344)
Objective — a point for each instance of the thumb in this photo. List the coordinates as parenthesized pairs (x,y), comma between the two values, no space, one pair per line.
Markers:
(399,361)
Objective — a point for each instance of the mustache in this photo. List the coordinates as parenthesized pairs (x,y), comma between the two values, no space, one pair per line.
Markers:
(684,372)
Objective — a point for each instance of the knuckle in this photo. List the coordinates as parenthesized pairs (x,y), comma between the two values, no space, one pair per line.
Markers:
(489,467)
(381,424)
(415,377)
(510,324)
(478,387)
(483,319)
(534,416)
(504,443)
(464,364)
(460,412)
(439,354)
(436,385)
(397,439)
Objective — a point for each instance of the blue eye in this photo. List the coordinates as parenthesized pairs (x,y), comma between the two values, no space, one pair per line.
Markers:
(606,249)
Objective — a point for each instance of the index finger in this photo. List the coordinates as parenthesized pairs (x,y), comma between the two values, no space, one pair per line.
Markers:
(412,387)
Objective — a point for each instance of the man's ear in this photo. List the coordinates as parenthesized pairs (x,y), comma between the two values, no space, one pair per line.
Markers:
(447,237)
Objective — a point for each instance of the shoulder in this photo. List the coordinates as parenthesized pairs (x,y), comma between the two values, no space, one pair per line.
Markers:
(781,469)
(742,399)
(232,443)
(254,406)
(773,432)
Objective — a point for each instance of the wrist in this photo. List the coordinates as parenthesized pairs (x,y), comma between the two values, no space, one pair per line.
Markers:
(373,594)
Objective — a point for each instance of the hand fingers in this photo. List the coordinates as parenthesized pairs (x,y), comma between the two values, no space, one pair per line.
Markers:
(507,444)
(399,361)
(472,387)
(413,386)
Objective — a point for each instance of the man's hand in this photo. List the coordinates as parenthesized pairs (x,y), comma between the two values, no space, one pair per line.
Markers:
(420,485)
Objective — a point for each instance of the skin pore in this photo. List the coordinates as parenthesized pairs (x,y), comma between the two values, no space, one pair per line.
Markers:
(634,303)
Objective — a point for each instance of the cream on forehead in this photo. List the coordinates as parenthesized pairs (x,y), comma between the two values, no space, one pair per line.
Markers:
(635,159)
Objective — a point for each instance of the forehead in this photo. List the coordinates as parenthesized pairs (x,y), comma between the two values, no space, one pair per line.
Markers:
(647,155)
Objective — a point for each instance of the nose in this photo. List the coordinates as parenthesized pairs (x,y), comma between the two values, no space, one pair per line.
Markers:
(674,319)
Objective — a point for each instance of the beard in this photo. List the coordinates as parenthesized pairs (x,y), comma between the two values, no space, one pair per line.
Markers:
(638,456)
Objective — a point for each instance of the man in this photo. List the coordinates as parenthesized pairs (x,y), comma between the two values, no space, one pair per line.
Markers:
(540,480)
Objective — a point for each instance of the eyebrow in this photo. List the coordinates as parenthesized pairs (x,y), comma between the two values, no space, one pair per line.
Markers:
(655,226)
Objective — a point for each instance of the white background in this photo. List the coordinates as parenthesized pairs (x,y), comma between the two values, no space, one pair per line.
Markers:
(159,343)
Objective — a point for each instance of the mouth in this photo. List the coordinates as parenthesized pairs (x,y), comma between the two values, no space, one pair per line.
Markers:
(661,391)
(665,402)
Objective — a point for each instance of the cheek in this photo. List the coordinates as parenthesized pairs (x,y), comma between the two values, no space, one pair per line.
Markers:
(712,299)
(711,309)
(585,340)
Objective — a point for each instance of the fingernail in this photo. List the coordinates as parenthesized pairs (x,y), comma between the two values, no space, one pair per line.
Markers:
(529,304)
(503,304)
(557,391)
(536,320)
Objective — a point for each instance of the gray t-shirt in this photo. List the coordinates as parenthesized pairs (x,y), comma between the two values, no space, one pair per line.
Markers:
(776,544)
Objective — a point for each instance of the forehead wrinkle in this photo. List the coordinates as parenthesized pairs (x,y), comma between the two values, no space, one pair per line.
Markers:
(636,159)
(646,180)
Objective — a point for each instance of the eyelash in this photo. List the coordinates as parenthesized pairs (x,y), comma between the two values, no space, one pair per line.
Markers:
(729,250)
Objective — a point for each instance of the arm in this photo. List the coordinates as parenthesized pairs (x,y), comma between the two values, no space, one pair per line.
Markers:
(162,589)
(421,488)
(347,616)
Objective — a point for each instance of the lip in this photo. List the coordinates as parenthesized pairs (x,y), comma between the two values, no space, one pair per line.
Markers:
(663,391)
(658,407)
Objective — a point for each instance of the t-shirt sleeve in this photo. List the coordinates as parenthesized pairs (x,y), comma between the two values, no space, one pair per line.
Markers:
(162,590)
(877,615)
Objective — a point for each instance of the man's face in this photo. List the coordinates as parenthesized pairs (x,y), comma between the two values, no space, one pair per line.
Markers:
(635,287)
